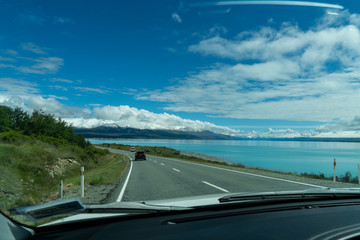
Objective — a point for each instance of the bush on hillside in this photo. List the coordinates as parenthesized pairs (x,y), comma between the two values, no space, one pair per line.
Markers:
(13,136)
(16,123)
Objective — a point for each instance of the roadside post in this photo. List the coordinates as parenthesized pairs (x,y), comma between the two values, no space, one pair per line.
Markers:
(82,181)
(334,178)
(359,172)
(61,189)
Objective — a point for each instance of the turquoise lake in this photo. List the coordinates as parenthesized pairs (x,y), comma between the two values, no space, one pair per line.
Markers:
(288,156)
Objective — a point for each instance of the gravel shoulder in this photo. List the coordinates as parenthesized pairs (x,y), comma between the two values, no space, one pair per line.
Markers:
(92,193)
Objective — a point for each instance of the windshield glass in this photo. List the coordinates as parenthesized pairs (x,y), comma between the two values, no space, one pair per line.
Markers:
(113,101)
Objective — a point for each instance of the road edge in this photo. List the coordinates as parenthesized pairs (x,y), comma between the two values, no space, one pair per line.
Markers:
(119,198)
(251,174)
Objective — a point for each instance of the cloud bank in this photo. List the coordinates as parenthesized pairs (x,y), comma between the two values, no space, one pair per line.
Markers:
(96,115)
(125,116)
(286,73)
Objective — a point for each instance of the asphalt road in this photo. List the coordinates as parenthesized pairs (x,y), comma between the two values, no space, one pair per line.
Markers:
(163,178)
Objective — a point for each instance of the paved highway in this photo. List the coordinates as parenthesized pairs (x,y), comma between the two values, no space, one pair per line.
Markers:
(162,178)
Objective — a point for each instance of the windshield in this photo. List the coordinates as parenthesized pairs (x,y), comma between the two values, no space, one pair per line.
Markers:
(131,101)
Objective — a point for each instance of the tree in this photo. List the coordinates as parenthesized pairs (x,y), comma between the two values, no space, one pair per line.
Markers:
(39,124)
(5,121)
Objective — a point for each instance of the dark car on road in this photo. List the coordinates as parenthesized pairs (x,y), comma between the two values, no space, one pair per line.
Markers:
(140,156)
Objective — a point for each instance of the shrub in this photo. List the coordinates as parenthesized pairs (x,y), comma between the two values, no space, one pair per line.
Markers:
(347,178)
(13,136)
(15,123)
(52,140)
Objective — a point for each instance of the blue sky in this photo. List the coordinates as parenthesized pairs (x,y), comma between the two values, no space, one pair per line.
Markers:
(234,67)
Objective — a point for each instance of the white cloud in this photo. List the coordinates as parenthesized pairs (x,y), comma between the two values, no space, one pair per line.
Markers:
(2,65)
(343,125)
(277,133)
(34,65)
(176,17)
(10,52)
(126,116)
(61,80)
(63,20)
(31,102)
(6,59)
(57,97)
(17,86)
(285,73)
(27,95)
(49,64)
(58,87)
(88,89)
(307,47)
(290,133)
(43,65)
(355,19)
(95,105)
(31,47)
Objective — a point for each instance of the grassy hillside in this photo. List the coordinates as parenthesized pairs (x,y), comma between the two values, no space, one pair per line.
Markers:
(30,171)
(37,151)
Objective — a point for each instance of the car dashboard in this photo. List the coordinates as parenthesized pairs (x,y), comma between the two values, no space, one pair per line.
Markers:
(338,219)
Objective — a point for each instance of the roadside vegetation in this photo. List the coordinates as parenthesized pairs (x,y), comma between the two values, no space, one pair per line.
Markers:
(37,151)
(17,125)
(173,153)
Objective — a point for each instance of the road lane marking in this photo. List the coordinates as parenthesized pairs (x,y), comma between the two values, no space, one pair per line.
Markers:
(162,164)
(176,169)
(155,161)
(252,174)
(214,186)
(126,182)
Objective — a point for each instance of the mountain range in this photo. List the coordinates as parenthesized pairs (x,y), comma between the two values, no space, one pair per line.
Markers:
(125,132)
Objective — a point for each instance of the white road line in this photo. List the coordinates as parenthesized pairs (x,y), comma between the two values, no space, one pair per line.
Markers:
(214,186)
(252,174)
(155,161)
(176,169)
(162,164)
(125,183)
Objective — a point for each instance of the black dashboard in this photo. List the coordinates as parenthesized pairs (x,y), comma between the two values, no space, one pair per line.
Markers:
(338,219)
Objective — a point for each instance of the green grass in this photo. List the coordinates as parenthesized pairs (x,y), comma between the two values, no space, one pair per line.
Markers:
(30,171)
(109,170)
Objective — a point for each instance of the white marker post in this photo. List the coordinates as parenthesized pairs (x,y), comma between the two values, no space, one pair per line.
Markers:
(334,178)
(61,189)
(82,181)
